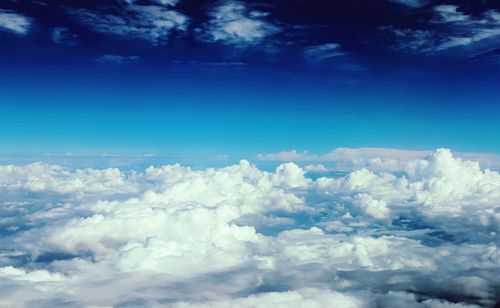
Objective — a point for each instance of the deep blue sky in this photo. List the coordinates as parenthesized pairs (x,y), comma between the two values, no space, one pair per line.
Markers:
(240,78)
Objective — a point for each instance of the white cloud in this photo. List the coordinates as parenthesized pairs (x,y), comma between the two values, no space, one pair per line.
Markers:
(233,22)
(240,236)
(14,22)
(345,153)
(388,159)
(153,23)
(309,297)
(315,168)
(54,178)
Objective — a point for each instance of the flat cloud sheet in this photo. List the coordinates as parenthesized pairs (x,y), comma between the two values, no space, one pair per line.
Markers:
(242,237)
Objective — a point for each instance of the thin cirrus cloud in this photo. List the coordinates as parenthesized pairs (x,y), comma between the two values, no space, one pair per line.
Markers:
(241,236)
(458,32)
(14,22)
(323,52)
(63,36)
(411,3)
(232,22)
(117,59)
(153,23)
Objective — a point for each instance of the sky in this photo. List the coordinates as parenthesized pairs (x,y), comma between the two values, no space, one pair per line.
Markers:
(250,154)
(211,78)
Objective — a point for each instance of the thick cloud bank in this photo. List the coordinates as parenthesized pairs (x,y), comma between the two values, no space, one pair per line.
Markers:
(242,237)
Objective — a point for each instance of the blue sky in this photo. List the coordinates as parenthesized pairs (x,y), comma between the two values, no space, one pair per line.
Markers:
(241,78)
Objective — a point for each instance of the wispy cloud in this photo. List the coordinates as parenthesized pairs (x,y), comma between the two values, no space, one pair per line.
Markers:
(450,29)
(117,59)
(153,23)
(323,52)
(162,2)
(450,13)
(14,22)
(411,3)
(63,36)
(234,23)
(333,56)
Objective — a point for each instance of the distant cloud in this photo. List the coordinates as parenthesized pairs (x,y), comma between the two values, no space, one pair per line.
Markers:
(63,36)
(212,63)
(117,59)
(162,2)
(411,3)
(377,158)
(14,22)
(450,13)
(332,55)
(234,23)
(456,30)
(322,52)
(153,23)
(345,153)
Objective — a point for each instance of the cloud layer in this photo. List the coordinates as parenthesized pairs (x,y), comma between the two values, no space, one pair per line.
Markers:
(240,236)
(153,23)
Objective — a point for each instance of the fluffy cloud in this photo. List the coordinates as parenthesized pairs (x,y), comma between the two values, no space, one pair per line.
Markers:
(301,298)
(14,22)
(233,23)
(347,159)
(54,178)
(240,236)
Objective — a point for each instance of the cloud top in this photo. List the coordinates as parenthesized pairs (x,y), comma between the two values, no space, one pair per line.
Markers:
(240,236)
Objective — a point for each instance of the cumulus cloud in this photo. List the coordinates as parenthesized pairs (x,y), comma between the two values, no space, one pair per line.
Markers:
(14,22)
(234,23)
(55,178)
(346,159)
(153,23)
(242,237)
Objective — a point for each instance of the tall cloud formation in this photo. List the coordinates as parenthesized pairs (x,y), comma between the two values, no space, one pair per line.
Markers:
(240,236)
